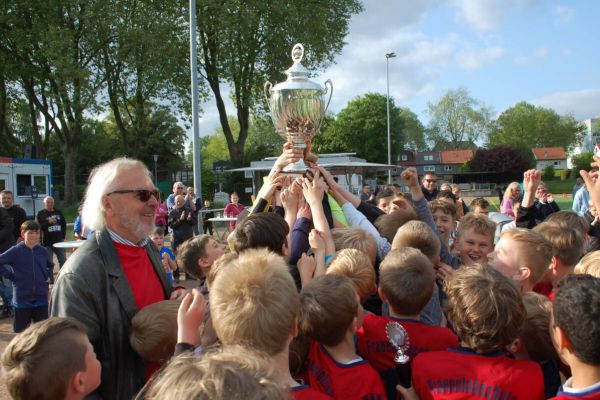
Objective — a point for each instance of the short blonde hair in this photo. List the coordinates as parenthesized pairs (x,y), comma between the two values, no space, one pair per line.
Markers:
(535,333)
(355,238)
(355,265)
(589,264)
(479,224)
(537,251)
(485,308)
(154,331)
(388,224)
(328,305)
(567,243)
(418,234)
(254,301)
(229,373)
(406,278)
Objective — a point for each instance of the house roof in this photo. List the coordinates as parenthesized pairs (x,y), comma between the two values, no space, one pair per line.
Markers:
(549,153)
(455,156)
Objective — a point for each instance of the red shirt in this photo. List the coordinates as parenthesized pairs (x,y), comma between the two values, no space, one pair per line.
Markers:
(233,210)
(462,373)
(589,393)
(305,392)
(357,380)
(143,280)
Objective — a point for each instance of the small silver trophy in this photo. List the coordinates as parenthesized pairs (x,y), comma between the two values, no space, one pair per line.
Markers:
(398,337)
(297,106)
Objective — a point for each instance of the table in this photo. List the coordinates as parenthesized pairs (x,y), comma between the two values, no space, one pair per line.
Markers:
(222,224)
(69,244)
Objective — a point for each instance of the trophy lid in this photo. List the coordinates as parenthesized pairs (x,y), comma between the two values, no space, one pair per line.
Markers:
(297,74)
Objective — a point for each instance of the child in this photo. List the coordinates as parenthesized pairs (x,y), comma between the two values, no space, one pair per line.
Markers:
(589,264)
(197,255)
(487,313)
(523,256)
(330,314)
(406,283)
(52,359)
(355,265)
(444,216)
(254,303)
(475,238)
(383,200)
(154,331)
(31,274)
(355,238)
(388,224)
(480,205)
(567,245)
(207,213)
(575,331)
(167,256)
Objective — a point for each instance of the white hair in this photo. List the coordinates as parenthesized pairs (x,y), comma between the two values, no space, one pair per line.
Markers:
(102,181)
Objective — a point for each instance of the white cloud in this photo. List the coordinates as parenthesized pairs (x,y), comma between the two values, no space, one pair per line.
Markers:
(486,15)
(582,104)
(536,55)
(476,59)
(564,14)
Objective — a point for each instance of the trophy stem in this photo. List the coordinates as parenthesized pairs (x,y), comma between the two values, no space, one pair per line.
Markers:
(296,168)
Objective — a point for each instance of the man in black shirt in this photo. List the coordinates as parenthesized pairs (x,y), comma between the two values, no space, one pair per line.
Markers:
(429,186)
(54,229)
(16,213)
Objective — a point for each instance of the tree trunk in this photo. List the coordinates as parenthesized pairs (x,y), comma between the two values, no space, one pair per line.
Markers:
(70,158)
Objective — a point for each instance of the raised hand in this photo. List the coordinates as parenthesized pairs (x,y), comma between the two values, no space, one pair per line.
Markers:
(189,318)
(290,155)
(410,177)
(306,268)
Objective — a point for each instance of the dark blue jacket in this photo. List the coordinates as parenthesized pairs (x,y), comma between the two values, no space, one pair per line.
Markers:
(30,273)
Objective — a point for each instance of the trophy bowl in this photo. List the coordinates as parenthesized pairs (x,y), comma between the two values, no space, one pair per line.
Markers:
(297,106)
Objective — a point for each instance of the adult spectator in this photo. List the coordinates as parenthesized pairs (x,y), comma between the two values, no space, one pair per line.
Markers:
(429,186)
(544,203)
(365,195)
(578,185)
(233,209)
(194,204)
(511,195)
(16,213)
(115,273)
(581,201)
(6,241)
(54,229)
(178,189)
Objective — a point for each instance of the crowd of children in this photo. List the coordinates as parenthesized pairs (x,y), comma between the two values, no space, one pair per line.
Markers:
(298,306)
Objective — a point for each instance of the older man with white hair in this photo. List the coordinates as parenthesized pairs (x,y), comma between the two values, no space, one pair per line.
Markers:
(115,273)
(54,229)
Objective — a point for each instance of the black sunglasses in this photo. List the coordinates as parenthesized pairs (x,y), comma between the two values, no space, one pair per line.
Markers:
(142,194)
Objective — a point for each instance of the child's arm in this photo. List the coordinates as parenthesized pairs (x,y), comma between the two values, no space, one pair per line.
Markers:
(314,192)
(189,318)
(6,259)
(306,267)
(592,183)
(318,245)
(525,217)
(299,237)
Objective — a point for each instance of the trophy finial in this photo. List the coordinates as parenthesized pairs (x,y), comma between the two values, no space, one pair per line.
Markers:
(298,52)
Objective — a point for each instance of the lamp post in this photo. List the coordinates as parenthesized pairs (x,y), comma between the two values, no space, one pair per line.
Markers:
(155,156)
(389,141)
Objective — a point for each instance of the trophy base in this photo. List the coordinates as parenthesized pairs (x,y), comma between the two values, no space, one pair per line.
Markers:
(297,168)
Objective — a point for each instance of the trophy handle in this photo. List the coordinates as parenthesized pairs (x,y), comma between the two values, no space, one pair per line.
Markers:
(267,89)
(328,81)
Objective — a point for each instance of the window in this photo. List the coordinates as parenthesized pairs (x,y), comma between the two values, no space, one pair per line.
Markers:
(404,157)
(428,158)
(447,167)
(24,183)
(429,168)
(557,163)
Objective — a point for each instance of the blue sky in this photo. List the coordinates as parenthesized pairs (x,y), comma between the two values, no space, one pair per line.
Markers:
(502,51)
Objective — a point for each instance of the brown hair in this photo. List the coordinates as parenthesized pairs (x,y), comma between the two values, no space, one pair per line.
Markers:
(589,264)
(254,301)
(261,230)
(406,278)
(444,206)
(569,219)
(229,373)
(485,308)
(536,251)
(567,243)
(190,251)
(355,265)
(535,333)
(154,330)
(328,306)
(30,225)
(39,362)
(478,223)
(388,224)
(418,234)
(479,202)
(355,238)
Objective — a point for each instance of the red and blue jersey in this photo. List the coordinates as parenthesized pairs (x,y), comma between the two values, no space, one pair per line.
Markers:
(355,380)
(588,393)
(462,373)
(305,392)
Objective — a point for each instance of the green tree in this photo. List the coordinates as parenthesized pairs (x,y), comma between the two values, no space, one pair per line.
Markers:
(361,127)
(526,126)
(243,42)
(457,120)
(582,161)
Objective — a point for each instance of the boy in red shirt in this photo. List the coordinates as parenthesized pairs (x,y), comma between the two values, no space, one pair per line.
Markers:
(406,282)
(330,314)
(487,312)
(575,329)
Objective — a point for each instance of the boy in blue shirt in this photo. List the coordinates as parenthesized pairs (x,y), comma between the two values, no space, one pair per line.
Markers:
(30,269)
(167,256)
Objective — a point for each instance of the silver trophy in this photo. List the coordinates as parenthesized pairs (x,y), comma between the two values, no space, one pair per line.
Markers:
(297,106)
(398,337)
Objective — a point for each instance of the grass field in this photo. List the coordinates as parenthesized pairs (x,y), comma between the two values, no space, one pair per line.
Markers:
(565,203)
